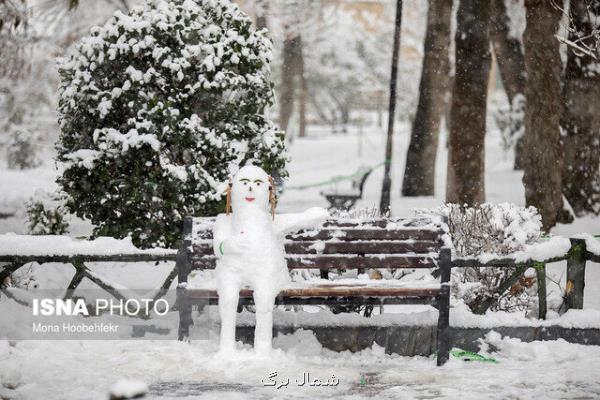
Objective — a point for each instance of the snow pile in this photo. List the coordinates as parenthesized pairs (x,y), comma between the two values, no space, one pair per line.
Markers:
(553,352)
(128,389)
(301,342)
(50,245)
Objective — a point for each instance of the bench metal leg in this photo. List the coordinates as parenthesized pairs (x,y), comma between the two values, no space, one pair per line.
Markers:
(443,329)
(184,307)
(575,274)
(183,266)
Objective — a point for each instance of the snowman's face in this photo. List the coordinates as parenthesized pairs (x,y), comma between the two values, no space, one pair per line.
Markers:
(250,188)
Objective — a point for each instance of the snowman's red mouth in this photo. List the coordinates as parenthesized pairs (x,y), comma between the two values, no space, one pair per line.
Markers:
(250,199)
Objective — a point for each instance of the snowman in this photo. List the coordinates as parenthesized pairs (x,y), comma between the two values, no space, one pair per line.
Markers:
(248,243)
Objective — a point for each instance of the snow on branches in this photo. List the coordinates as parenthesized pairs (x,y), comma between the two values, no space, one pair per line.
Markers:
(154,107)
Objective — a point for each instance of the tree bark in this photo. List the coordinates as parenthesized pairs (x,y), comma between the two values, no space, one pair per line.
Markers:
(543,159)
(262,11)
(386,186)
(466,152)
(511,62)
(508,51)
(292,54)
(419,173)
(302,98)
(581,118)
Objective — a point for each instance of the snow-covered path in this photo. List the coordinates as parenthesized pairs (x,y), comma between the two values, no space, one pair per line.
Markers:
(86,370)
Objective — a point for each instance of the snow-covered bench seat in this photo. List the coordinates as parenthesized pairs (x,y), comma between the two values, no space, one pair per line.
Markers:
(339,244)
(322,291)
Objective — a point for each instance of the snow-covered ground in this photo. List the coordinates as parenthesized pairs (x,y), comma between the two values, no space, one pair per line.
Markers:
(86,370)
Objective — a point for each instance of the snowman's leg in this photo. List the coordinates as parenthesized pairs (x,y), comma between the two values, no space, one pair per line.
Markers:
(263,334)
(229,293)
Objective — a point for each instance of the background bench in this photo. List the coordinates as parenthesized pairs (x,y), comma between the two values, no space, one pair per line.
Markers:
(340,244)
(340,200)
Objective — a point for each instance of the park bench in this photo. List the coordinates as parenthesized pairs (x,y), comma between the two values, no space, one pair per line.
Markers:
(340,200)
(339,244)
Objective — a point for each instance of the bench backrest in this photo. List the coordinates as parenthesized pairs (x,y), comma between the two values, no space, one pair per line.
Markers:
(341,243)
(359,182)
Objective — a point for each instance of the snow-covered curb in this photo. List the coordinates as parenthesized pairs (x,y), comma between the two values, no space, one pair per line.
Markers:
(459,318)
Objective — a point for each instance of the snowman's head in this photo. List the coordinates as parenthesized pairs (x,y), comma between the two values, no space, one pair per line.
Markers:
(251,188)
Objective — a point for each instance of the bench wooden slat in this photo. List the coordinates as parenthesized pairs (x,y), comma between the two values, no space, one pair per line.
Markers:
(298,261)
(397,223)
(421,223)
(352,234)
(367,234)
(328,291)
(370,247)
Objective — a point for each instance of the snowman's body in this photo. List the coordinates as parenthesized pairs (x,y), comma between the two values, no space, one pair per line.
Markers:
(250,251)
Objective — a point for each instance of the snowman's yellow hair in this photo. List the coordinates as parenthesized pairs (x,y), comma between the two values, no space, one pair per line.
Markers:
(272,199)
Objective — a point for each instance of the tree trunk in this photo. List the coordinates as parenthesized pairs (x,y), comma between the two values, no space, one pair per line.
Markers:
(292,54)
(510,60)
(262,11)
(508,51)
(543,159)
(386,186)
(419,173)
(581,118)
(303,98)
(466,152)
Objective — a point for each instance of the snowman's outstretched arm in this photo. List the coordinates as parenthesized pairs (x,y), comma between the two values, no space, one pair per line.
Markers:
(311,218)
(221,231)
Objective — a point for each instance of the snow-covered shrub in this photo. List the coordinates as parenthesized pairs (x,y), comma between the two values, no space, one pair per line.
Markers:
(23,278)
(494,229)
(21,150)
(511,122)
(47,215)
(154,107)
